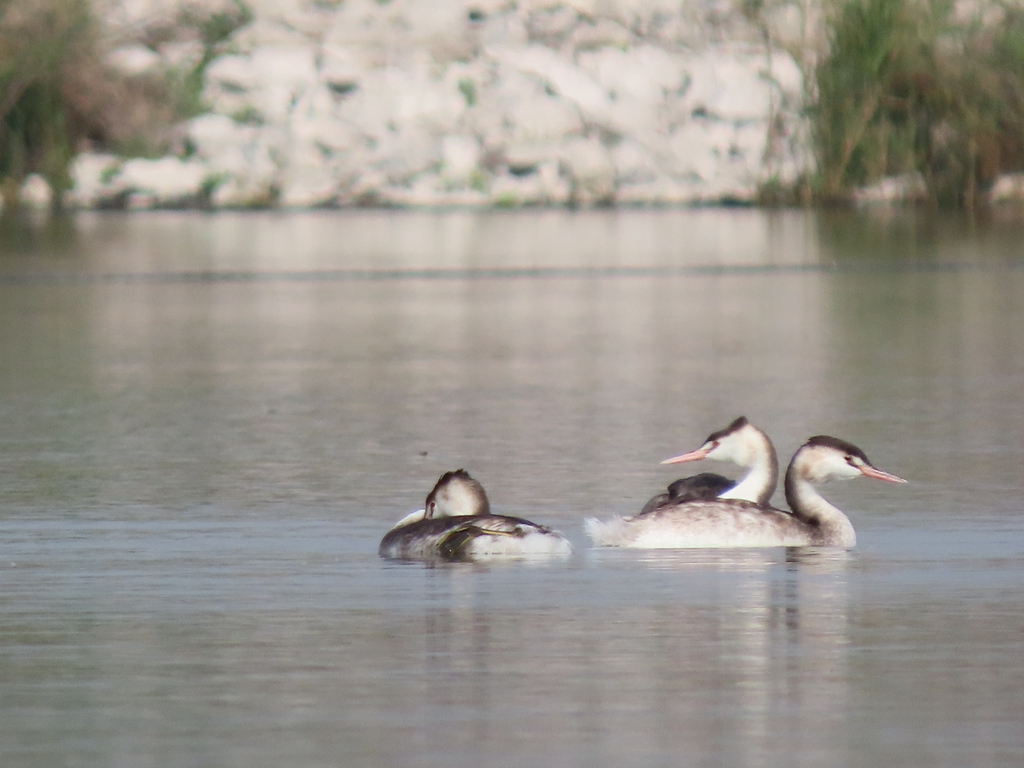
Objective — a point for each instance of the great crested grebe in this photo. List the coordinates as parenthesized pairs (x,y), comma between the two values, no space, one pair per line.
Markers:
(734,523)
(456,524)
(741,443)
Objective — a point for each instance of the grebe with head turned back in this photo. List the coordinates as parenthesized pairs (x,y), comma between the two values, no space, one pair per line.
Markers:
(456,524)
(735,523)
(741,443)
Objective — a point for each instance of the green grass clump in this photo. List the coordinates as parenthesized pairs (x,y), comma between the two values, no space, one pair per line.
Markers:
(907,86)
(58,96)
(41,89)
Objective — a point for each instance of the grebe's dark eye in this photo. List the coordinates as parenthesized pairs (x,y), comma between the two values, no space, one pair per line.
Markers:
(849,460)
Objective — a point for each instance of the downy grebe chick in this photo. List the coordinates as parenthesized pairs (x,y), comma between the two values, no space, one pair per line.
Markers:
(735,523)
(456,524)
(741,443)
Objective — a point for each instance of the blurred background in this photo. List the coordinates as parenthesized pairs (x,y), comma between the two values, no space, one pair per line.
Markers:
(321,103)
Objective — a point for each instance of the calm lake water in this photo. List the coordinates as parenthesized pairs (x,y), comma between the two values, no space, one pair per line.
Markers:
(208,422)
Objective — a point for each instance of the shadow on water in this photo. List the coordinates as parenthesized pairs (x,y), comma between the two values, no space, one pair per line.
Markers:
(33,234)
(898,235)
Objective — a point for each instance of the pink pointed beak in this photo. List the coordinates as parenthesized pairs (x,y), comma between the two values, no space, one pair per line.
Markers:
(700,453)
(877,474)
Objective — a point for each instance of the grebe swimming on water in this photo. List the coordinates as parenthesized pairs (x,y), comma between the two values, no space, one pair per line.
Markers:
(735,523)
(456,524)
(741,443)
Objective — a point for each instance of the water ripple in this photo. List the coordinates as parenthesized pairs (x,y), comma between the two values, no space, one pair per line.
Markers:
(503,273)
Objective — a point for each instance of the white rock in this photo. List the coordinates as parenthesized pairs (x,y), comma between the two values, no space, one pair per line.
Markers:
(1009,187)
(796,27)
(556,186)
(403,155)
(590,168)
(543,119)
(660,191)
(244,159)
(230,194)
(168,180)
(269,29)
(562,76)
(139,13)
(552,24)
(391,100)
(304,184)
(583,7)
(460,159)
(133,59)
(503,29)
(268,80)
(435,19)
(784,73)
(576,87)
(214,133)
(35,191)
(181,54)
(536,101)
(695,149)
(363,187)
(426,191)
(644,72)
(428,103)
(634,164)
(905,188)
(315,121)
(546,186)
(729,85)
(490,8)
(91,174)
(223,142)
(592,34)
(341,64)
(524,156)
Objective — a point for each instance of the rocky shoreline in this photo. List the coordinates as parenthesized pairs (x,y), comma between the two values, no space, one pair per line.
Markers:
(471,103)
(479,103)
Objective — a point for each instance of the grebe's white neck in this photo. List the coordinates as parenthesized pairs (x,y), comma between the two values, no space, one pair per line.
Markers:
(817,461)
(747,446)
(755,451)
(833,526)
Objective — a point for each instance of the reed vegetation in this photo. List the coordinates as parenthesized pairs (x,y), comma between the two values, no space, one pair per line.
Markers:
(911,86)
(42,105)
(58,96)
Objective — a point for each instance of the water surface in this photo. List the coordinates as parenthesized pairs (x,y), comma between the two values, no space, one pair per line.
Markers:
(208,422)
